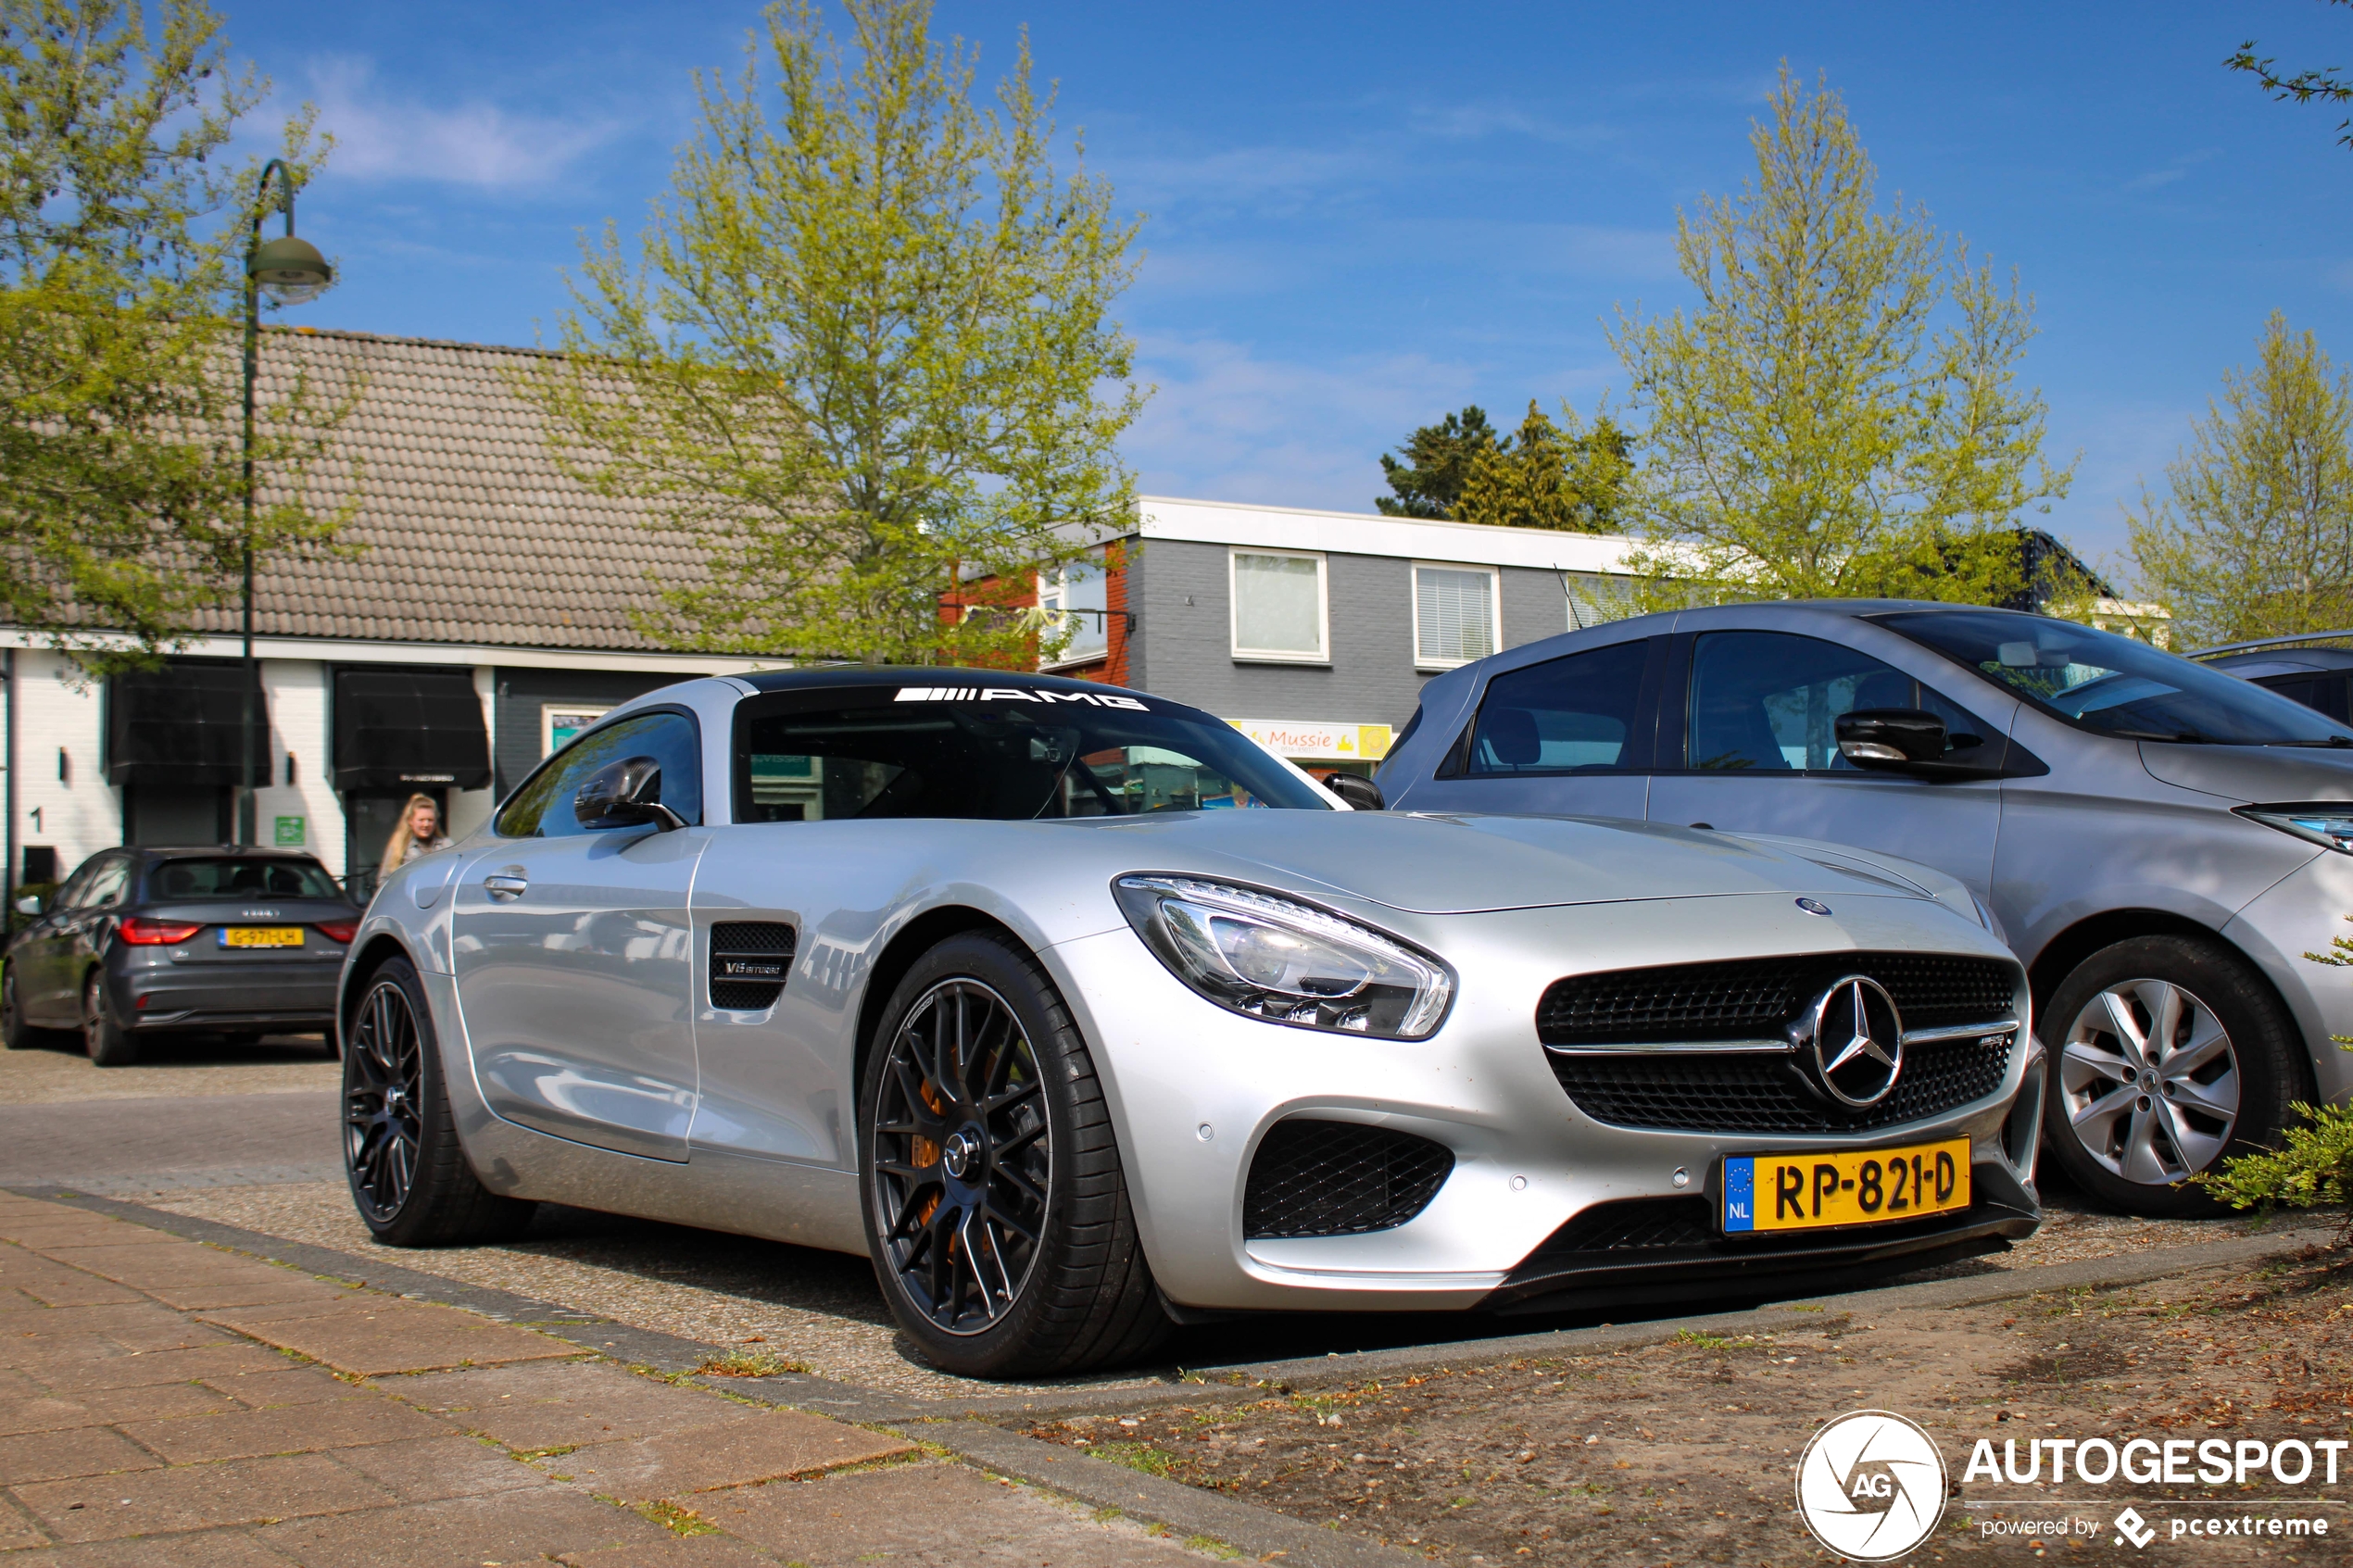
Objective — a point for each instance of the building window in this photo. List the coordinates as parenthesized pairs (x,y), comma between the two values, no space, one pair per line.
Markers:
(1454,617)
(558,721)
(1075,596)
(1279,610)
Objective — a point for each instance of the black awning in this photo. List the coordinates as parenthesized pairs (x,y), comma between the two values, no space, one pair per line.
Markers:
(399,727)
(178,725)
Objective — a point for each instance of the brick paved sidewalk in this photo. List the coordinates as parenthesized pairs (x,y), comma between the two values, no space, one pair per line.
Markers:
(167,1403)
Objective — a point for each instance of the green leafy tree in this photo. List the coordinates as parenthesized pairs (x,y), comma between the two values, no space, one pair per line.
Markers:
(123,234)
(2254,537)
(864,357)
(1438,461)
(1543,476)
(2327,85)
(1839,415)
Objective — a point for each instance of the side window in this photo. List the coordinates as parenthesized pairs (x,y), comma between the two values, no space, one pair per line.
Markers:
(541,808)
(69,896)
(2324,694)
(105,889)
(1769,702)
(1563,716)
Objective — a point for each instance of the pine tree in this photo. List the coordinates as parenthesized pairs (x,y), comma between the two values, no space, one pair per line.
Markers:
(1438,460)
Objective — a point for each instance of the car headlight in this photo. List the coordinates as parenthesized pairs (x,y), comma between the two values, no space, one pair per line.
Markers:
(1268,958)
(2328,825)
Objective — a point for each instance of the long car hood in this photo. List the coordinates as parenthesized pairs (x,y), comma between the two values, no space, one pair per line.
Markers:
(1458,865)
(2251,774)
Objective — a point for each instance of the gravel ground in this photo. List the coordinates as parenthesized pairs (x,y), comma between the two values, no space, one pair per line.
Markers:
(1685,1452)
(56,1071)
(823,1311)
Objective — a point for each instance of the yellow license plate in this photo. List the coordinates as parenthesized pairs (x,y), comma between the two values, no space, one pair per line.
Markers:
(261,936)
(1798,1192)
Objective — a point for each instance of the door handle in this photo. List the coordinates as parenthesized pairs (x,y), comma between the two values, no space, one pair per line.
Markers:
(501,885)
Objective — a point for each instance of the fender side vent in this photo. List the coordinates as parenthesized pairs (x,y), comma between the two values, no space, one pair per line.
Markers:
(750,960)
(1339,1178)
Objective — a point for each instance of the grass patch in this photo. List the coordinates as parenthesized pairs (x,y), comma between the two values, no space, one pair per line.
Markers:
(1703,1341)
(1217,1548)
(677,1521)
(749,1363)
(1137,1456)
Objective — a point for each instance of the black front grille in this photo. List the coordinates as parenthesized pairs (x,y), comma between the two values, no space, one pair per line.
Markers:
(1757,999)
(1762,1093)
(749,961)
(1339,1178)
(1634,1223)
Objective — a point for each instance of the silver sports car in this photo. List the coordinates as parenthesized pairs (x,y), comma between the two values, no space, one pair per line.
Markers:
(1081,1015)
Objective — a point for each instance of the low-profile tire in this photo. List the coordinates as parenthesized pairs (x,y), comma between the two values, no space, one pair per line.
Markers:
(105,1040)
(997,1211)
(15,1033)
(2168,1056)
(408,1174)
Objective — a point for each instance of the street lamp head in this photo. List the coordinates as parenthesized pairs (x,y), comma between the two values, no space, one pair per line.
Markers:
(290,271)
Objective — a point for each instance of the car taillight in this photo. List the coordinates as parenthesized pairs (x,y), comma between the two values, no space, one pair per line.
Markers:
(338,930)
(141,931)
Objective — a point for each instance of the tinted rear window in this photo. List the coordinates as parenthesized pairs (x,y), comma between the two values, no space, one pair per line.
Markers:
(875,753)
(237,877)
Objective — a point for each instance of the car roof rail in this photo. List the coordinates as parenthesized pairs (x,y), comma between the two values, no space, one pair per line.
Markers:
(2301,639)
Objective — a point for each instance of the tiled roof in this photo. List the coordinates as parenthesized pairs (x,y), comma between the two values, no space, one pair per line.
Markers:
(466,531)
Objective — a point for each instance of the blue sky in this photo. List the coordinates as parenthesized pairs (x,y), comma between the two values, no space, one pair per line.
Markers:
(1362,215)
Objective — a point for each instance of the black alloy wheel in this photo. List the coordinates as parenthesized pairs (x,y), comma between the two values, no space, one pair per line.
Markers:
(382,1099)
(962,1157)
(997,1208)
(105,1041)
(14,1031)
(409,1176)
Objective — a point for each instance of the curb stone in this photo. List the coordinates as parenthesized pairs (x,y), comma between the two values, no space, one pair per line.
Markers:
(961,1426)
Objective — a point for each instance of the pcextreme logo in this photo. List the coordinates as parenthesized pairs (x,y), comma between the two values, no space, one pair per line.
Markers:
(1871,1485)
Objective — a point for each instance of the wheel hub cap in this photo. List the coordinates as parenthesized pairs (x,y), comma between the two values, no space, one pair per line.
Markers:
(961,1153)
(2149,1082)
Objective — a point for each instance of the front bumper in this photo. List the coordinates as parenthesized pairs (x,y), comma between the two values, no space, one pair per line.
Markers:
(1194,1090)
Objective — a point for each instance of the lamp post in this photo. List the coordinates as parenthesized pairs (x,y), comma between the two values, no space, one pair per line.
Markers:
(292,272)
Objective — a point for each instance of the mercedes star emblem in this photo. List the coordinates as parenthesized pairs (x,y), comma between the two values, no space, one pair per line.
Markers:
(1851,1042)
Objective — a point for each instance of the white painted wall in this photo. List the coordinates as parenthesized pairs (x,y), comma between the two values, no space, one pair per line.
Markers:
(80,814)
(296,692)
(469,808)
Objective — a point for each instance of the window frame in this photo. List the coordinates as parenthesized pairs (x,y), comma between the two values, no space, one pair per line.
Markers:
(1234,608)
(1057,583)
(1494,576)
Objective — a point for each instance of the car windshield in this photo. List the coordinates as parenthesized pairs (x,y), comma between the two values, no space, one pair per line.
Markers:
(1003,753)
(2113,684)
(241,877)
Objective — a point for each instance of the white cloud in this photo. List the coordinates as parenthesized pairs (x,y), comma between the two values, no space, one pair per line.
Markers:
(377,137)
(2179,168)
(1227,425)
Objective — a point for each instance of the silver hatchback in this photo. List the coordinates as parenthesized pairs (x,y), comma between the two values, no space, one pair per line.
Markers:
(2163,845)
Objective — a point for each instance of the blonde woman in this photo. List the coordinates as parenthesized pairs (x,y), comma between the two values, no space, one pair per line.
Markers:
(419,833)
